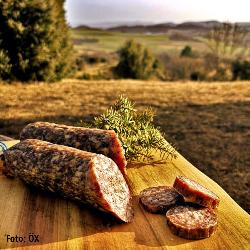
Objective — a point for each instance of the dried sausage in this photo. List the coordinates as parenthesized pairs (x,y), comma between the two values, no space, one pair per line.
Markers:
(191,221)
(159,199)
(97,141)
(79,175)
(196,193)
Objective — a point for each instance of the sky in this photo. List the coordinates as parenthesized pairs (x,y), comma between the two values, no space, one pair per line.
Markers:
(105,11)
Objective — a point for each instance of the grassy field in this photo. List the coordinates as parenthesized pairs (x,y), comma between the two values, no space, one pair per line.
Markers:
(208,122)
(104,44)
(105,41)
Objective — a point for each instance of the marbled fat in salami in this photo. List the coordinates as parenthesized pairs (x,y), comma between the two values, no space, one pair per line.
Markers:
(97,141)
(79,175)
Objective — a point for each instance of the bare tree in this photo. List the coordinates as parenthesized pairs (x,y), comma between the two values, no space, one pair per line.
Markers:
(228,40)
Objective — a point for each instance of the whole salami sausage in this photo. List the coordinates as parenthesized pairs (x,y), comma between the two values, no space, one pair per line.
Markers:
(196,193)
(97,141)
(191,222)
(75,174)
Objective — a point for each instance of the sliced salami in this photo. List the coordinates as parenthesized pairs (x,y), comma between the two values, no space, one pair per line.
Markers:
(93,140)
(79,175)
(196,193)
(192,222)
(159,199)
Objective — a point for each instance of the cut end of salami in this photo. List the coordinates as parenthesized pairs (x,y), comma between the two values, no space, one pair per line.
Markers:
(159,199)
(93,140)
(115,193)
(196,193)
(79,175)
(192,222)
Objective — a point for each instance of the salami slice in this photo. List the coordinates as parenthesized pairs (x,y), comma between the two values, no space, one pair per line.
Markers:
(83,176)
(97,141)
(159,199)
(196,193)
(192,222)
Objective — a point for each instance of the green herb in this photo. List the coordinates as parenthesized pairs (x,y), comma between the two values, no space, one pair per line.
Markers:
(135,130)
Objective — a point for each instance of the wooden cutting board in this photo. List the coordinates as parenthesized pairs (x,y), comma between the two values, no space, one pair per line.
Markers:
(62,224)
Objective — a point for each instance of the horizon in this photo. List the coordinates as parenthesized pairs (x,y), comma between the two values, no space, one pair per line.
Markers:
(113,24)
(95,13)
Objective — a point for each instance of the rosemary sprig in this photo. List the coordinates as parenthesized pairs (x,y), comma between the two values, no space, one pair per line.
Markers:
(135,129)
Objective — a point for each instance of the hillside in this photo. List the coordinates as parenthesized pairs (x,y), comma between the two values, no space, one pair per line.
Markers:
(208,122)
(162,27)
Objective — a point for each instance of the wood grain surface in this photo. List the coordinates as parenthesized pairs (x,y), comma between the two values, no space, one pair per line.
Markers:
(63,224)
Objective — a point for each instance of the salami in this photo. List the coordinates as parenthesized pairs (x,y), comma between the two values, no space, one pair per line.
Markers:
(196,193)
(83,176)
(97,141)
(159,199)
(191,222)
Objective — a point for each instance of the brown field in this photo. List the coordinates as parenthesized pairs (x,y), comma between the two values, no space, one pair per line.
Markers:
(208,122)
